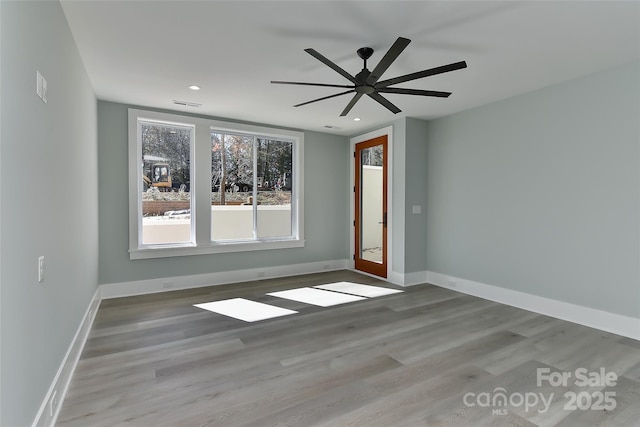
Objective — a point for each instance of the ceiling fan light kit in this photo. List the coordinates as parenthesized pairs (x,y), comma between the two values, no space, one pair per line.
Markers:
(368,82)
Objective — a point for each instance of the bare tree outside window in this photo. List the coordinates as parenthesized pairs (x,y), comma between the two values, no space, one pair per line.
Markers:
(257,174)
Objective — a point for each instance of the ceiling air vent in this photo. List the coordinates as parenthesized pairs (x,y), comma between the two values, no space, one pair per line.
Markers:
(186,103)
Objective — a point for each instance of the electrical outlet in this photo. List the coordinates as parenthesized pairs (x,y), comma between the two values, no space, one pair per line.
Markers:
(53,403)
(39,84)
(40,268)
(167,285)
(44,90)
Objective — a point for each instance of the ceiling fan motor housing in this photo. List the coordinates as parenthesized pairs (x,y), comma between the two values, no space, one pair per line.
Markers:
(361,82)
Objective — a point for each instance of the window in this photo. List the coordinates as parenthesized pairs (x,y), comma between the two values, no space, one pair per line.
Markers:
(252,187)
(275,166)
(200,186)
(165,177)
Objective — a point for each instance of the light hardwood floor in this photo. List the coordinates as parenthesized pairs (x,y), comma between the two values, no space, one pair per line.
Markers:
(425,357)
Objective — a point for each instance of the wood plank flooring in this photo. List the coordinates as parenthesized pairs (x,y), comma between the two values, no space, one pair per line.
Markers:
(425,357)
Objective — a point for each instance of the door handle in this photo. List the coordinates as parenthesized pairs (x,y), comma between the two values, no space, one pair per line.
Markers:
(384,220)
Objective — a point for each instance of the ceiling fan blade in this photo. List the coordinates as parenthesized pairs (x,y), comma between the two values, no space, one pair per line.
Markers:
(324,97)
(330,64)
(351,103)
(392,54)
(385,102)
(404,91)
(278,82)
(421,74)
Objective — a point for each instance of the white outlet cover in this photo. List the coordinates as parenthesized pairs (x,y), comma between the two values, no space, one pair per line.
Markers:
(39,84)
(44,90)
(40,268)
(53,403)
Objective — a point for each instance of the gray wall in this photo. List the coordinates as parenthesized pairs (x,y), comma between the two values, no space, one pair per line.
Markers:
(49,202)
(540,193)
(326,179)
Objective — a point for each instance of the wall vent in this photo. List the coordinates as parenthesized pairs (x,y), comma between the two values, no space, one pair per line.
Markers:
(187,103)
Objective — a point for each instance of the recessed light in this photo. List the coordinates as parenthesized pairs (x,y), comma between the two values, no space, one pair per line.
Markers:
(357,119)
(194,87)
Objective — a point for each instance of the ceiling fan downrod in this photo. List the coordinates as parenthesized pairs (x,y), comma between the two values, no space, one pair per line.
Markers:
(362,77)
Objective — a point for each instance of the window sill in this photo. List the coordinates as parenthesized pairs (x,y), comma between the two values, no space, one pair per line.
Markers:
(212,248)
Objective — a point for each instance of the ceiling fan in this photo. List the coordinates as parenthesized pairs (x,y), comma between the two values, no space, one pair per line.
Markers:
(367,82)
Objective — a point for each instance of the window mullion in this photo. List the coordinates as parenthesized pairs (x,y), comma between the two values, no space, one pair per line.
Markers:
(254,203)
(138,184)
(201,183)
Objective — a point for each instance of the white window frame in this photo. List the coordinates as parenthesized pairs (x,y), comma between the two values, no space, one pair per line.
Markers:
(200,190)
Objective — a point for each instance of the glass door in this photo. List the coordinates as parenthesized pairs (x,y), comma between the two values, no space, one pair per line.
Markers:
(371,206)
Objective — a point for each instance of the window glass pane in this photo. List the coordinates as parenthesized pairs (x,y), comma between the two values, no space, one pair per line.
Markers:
(371,203)
(166,198)
(231,186)
(275,186)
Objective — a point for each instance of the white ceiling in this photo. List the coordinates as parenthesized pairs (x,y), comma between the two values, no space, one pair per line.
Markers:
(147,53)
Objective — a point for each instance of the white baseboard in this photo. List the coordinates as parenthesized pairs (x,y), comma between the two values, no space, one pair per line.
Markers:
(591,317)
(140,287)
(407,279)
(61,381)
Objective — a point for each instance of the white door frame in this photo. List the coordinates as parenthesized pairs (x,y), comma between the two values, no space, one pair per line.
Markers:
(388,131)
